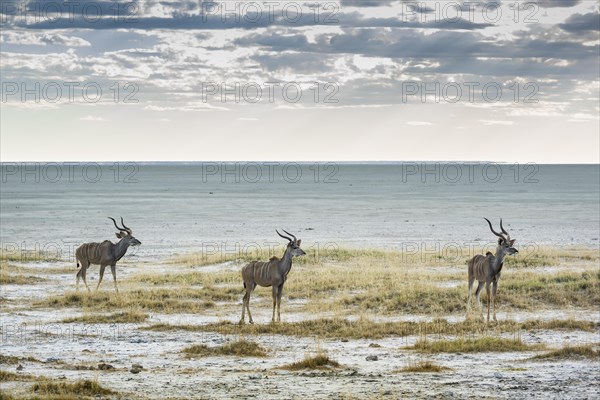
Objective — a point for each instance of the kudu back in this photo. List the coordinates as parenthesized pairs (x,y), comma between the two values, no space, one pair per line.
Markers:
(105,253)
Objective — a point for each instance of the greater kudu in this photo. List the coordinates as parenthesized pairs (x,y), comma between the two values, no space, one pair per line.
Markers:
(105,253)
(486,269)
(270,273)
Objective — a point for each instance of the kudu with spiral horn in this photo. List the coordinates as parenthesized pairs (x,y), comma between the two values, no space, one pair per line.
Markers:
(270,273)
(486,269)
(105,253)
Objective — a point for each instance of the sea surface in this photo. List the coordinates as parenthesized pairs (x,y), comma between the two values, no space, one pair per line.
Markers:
(176,208)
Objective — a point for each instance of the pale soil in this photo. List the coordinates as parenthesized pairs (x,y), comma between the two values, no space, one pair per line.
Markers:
(62,348)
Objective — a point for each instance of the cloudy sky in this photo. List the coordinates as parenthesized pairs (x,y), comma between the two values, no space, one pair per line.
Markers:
(300,80)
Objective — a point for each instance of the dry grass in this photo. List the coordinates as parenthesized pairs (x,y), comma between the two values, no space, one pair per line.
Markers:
(10,279)
(473,345)
(560,325)
(76,390)
(7,376)
(367,329)
(39,270)
(424,366)
(240,348)
(319,361)
(9,360)
(392,282)
(5,396)
(28,255)
(12,275)
(116,318)
(253,254)
(162,300)
(571,352)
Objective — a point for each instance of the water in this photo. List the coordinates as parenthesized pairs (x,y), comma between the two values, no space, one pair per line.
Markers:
(176,208)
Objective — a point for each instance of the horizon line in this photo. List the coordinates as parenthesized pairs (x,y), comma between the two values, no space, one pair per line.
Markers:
(349,162)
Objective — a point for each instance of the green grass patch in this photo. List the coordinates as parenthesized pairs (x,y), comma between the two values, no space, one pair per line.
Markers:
(239,348)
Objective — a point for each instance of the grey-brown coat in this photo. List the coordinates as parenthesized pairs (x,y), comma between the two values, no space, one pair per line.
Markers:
(270,273)
(104,253)
(487,269)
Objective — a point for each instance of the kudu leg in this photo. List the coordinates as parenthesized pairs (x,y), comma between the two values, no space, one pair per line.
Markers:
(487,290)
(113,271)
(248,307)
(102,267)
(249,289)
(274,294)
(478,296)
(494,290)
(279,293)
(471,280)
(242,320)
(78,276)
(83,271)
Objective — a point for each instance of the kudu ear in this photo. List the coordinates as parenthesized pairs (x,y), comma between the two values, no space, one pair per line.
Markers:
(513,242)
(119,235)
(500,240)
(298,242)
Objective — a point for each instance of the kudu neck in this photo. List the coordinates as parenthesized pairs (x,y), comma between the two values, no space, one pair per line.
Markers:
(286,261)
(122,246)
(499,257)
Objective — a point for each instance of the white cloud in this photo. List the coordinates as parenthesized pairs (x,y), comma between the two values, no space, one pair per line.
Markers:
(418,123)
(92,118)
(42,39)
(490,122)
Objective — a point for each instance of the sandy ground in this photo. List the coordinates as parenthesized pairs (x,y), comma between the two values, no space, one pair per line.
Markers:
(65,350)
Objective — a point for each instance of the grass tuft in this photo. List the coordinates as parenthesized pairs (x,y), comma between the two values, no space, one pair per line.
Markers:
(570,352)
(478,345)
(77,389)
(10,279)
(116,318)
(240,348)
(319,361)
(7,376)
(424,366)
(14,359)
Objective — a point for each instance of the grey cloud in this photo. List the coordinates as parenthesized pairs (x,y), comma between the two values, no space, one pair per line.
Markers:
(557,3)
(454,52)
(365,3)
(133,15)
(582,22)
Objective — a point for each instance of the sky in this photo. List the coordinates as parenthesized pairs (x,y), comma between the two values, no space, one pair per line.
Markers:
(344,80)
